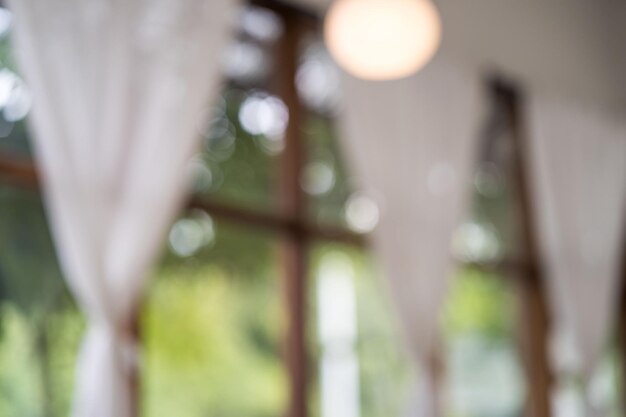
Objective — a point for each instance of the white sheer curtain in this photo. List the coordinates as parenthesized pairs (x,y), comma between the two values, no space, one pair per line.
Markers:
(579,178)
(412,144)
(119,88)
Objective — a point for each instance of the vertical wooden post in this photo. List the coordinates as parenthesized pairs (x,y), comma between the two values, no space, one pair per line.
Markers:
(535,331)
(134,332)
(294,261)
(292,206)
(536,321)
(437,368)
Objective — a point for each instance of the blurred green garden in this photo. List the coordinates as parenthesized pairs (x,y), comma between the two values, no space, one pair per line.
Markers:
(212,326)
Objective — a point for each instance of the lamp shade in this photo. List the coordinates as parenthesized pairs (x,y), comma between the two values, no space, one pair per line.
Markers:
(382,39)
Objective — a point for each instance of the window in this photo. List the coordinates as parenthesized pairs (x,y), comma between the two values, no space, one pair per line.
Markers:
(266,301)
(228,323)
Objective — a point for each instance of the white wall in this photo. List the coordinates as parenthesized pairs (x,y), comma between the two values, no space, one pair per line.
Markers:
(575,48)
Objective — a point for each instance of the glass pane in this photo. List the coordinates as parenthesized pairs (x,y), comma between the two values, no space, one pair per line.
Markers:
(213,323)
(361,368)
(484,371)
(239,162)
(604,391)
(324,177)
(15,98)
(607,384)
(334,200)
(40,327)
(492,231)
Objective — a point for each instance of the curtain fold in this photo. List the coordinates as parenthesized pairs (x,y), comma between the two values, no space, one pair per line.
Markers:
(412,145)
(578,158)
(120,88)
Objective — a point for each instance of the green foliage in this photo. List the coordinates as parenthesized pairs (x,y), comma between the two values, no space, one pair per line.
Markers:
(16,140)
(41,326)
(212,346)
(31,277)
(323,146)
(37,363)
(20,385)
(241,171)
(6,54)
(479,303)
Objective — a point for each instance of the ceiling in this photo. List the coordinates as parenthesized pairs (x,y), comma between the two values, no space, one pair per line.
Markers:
(574,48)
(318,5)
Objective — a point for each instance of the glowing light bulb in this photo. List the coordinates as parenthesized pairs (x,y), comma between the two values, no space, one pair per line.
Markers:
(382,39)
